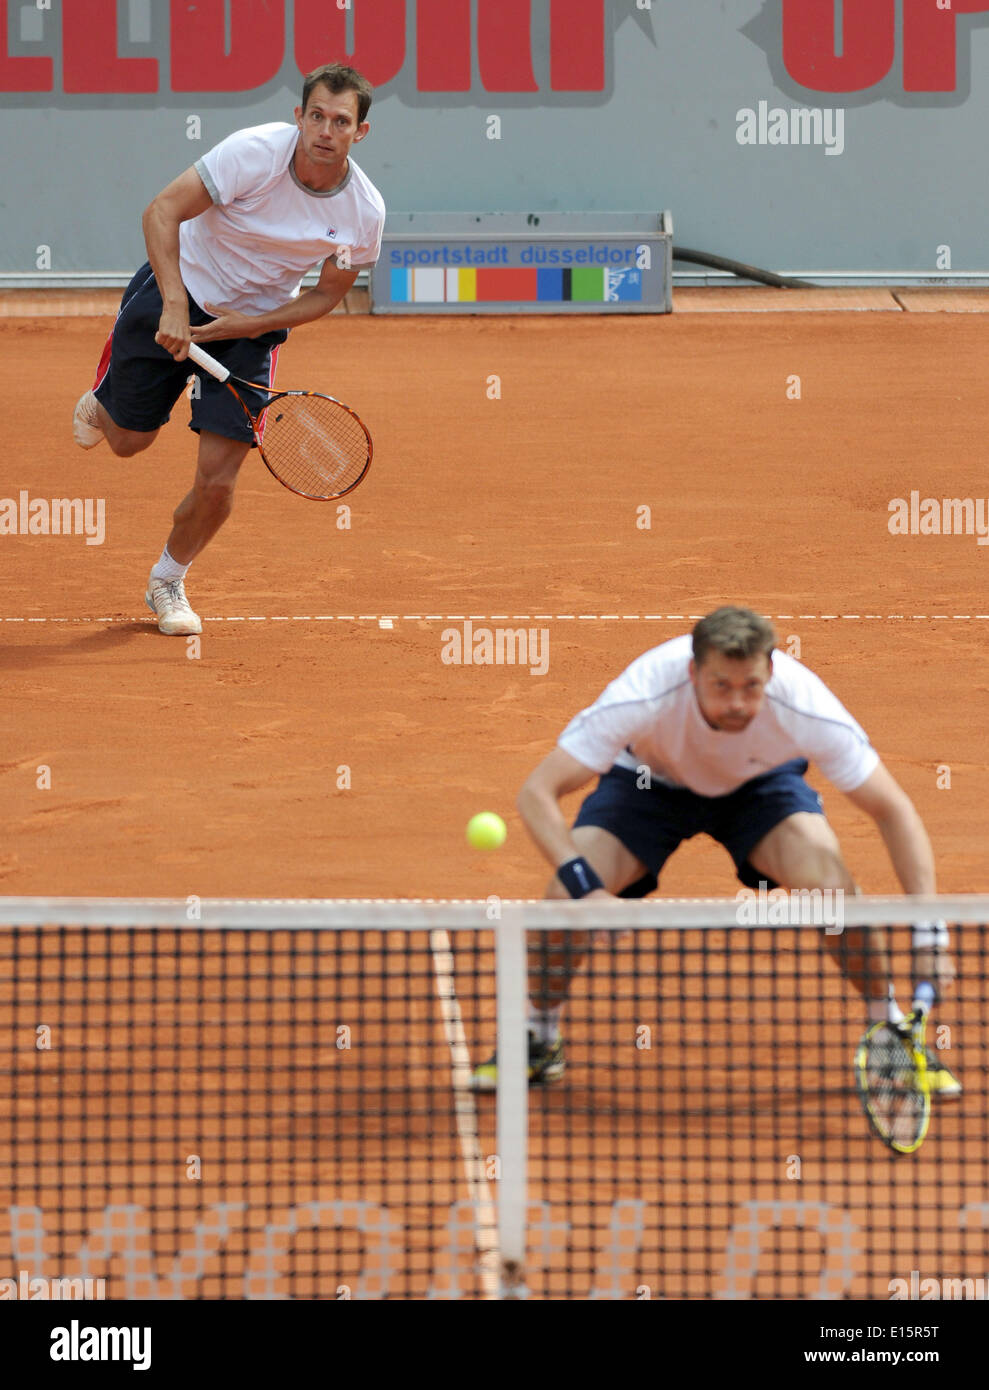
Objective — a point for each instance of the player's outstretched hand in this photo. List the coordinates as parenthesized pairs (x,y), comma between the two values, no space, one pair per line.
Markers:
(227,324)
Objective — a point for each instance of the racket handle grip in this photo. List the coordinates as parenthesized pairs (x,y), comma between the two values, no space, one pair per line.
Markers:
(208,364)
(924,996)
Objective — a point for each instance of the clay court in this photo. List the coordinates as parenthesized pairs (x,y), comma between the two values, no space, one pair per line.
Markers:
(217,775)
(313,748)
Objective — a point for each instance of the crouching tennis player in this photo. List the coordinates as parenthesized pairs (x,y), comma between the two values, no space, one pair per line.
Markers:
(725,725)
(228,244)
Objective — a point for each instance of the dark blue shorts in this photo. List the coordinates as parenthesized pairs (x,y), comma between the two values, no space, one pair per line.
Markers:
(138,382)
(652,821)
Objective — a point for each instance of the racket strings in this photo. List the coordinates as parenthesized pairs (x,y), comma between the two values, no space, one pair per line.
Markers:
(314,445)
(896,1098)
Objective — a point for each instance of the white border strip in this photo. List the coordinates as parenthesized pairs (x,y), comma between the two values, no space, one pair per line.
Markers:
(417,914)
(390,618)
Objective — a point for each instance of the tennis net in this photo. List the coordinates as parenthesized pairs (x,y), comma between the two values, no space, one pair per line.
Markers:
(273,1100)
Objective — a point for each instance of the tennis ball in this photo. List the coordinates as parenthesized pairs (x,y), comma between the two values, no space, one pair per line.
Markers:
(486,830)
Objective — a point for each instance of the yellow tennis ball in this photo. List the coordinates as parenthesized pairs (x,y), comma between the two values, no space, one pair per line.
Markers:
(486,830)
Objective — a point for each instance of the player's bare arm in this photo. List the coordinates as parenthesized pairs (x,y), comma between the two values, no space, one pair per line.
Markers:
(323,298)
(184,198)
(909,848)
(882,798)
(538,803)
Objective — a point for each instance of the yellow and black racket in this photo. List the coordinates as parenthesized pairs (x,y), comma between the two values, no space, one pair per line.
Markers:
(891,1077)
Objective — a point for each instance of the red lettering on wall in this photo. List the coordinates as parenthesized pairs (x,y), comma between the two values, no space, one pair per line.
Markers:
(577,45)
(379,37)
(868,43)
(200,62)
(89,52)
(504,46)
(443,45)
(22,74)
(930,43)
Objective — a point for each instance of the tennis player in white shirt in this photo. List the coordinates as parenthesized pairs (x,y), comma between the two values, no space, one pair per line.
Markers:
(712,733)
(228,243)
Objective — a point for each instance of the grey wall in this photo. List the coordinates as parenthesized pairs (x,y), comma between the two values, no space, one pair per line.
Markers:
(78,168)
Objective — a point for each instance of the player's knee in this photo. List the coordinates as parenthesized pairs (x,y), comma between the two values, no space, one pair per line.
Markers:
(825,869)
(216,495)
(126,443)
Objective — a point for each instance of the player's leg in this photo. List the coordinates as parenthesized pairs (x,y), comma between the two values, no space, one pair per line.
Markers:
(626,832)
(205,508)
(802,852)
(225,435)
(796,848)
(137,382)
(196,520)
(555,957)
(123,443)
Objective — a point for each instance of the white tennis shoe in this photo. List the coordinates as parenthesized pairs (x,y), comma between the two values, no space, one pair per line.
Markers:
(86,428)
(166,598)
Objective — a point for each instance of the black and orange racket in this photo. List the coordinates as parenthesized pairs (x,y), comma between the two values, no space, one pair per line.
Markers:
(314,445)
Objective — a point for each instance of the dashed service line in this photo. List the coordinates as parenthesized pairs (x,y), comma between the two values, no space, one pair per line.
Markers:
(519,618)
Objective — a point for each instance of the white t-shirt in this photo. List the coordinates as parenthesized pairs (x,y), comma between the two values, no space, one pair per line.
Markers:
(649,717)
(265,230)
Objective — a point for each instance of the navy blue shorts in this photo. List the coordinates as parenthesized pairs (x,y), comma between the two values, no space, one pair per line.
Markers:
(652,821)
(138,382)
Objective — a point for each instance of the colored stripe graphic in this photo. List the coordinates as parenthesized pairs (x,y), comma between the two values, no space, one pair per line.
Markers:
(579,285)
(461,286)
(507,284)
(429,285)
(587,285)
(401,286)
(550,284)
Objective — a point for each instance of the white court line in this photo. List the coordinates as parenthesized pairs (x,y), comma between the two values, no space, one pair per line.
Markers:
(145,618)
(485,1216)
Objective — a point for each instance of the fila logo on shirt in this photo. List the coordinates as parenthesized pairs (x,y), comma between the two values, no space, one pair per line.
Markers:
(331,231)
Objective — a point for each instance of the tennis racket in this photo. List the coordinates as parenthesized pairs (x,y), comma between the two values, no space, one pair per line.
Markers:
(891,1077)
(314,445)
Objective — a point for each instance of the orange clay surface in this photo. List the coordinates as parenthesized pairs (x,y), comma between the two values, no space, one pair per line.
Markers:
(306,750)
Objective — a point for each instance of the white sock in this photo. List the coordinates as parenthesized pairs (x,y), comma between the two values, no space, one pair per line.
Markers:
(167,568)
(545,1023)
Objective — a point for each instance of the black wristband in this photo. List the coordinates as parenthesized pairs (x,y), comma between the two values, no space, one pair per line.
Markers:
(578,878)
